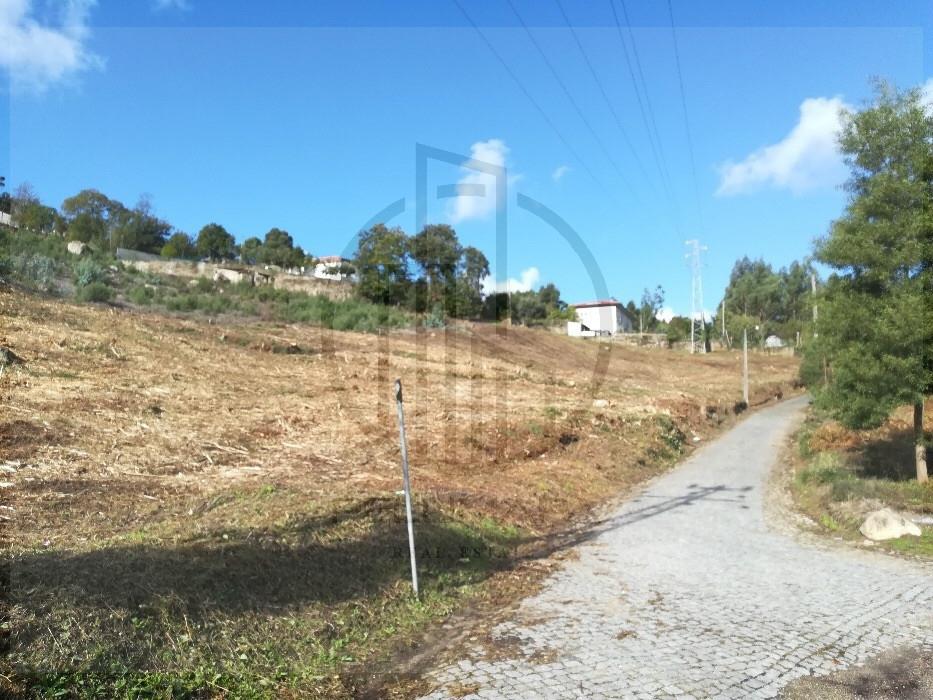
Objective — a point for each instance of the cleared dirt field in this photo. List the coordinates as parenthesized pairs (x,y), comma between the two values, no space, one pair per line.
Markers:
(205,502)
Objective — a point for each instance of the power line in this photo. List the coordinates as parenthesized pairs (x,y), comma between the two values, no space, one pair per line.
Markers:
(683,102)
(521,86)
(647,115)
(573,102)
(602,91)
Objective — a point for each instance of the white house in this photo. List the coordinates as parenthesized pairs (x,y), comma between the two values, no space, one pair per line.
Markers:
(6,220)
(331,267)
(603,317)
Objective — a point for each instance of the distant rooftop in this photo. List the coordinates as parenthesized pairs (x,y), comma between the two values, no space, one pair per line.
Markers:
(598,302)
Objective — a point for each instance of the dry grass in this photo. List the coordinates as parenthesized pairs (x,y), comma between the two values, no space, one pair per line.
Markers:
(236,477)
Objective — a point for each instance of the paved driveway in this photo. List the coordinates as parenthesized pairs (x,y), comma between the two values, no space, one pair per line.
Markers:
(686,592)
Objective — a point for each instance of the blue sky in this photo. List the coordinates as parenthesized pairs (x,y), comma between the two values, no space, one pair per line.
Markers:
(306,116)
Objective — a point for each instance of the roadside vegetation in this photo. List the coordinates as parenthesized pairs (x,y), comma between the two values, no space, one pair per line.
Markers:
(874,348)
(841,475)
(869,364)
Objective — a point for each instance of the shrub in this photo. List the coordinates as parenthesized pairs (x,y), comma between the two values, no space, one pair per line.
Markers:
(141,295)
(88,271)
(35,271)
(435,319)
(182,302)
(95,292)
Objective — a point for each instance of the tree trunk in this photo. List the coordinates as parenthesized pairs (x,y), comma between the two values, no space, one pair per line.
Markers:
(919,446)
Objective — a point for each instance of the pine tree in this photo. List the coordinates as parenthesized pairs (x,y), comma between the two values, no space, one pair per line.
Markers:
(876,317)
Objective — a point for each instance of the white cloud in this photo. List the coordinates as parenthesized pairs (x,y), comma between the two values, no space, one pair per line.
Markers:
(465,206)
(926,93)
(527,281)
(559,172)
(807,158)
(665,315)
(39,53)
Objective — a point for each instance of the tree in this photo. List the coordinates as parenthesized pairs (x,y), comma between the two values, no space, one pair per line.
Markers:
(651,304)
(526,307)
(90,216)
(214,243)
(765,302)
(876,319)
(678,329)
(436,250)
(382,265)
(179,245)
(251,250)
(474,268)
(28,212)
(277,248)
(137,228)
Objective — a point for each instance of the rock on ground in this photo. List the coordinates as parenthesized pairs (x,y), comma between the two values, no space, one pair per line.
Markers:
(885,524)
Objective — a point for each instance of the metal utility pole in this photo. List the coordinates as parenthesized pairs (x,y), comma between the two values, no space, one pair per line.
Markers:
(697,322)
(407,484)
(745,366)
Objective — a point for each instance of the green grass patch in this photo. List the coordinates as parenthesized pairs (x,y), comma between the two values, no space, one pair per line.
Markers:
(291,600)
(919,546)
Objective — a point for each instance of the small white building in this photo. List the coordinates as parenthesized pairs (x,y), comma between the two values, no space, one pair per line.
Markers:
(331,267)
(6,219)
(603,317)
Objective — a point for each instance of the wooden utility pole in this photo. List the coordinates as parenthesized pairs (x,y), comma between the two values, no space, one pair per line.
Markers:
(920,449)
(745,366)
(407,484)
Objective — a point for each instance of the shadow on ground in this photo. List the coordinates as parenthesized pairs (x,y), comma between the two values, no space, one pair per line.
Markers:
(339,556)
(903,674)
(889,458)
(352,552)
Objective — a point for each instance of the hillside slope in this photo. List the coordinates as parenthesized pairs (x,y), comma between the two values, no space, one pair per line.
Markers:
(243,474)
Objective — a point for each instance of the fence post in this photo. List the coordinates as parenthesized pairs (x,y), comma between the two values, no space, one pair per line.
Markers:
(407,484)
(745,365)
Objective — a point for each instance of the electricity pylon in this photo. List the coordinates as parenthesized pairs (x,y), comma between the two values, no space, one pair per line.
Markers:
(697,321)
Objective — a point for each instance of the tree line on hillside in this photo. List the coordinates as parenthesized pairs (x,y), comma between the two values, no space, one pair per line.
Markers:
(764,302)
(431,271)
(107,224)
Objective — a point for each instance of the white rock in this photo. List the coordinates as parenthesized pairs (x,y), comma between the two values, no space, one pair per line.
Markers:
(76,247)
(600,403)
(885,524)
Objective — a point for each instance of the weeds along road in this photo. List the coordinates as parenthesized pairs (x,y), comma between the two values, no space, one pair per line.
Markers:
(686,591)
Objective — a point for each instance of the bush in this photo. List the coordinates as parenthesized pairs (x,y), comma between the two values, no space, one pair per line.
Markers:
(34,271)
(141,295)
(88,271)
(436,318)
(95,292)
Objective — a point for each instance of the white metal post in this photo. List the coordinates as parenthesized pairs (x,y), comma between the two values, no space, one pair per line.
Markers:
(407,484)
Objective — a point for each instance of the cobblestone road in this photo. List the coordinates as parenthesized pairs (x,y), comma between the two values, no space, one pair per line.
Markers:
(685,591)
